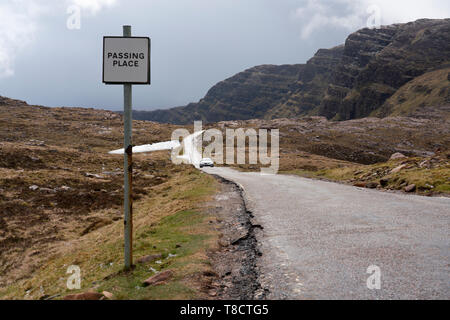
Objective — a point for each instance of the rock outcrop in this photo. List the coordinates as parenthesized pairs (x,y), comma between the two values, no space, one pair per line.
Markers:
(246,95)
(350,81)
(377,62)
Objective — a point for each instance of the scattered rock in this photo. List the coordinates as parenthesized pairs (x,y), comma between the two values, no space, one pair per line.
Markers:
(371,185)
(84,296)
(360,184)
(33,187)
(158,278)
(410,188)
(397,155)
(149,258)
(93,175)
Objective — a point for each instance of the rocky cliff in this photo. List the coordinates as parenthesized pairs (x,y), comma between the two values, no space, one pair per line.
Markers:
(248,94)
(350,81)
(377,62)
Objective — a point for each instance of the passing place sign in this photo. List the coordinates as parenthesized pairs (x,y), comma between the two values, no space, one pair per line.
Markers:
(126,60)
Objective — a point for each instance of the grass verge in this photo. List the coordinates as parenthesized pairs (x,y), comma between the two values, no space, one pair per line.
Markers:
(429,175)
(167,222)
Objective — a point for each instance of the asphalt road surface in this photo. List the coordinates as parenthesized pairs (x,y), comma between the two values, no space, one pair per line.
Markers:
(319,239)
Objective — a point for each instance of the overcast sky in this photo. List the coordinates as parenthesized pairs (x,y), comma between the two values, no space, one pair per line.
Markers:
(195,43)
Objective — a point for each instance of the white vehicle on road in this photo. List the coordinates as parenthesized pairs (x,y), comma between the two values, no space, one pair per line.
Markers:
(206,162)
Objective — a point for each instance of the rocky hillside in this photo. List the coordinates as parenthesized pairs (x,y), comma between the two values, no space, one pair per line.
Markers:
(248,94)
(430,89)
(377,62)
(57,181)
(350,81)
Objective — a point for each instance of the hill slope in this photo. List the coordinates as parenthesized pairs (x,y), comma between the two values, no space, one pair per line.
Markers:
(429,89)
(248,94)
(346,82)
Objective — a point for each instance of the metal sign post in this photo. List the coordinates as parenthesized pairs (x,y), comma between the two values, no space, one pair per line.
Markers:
(128,167)
(126,60)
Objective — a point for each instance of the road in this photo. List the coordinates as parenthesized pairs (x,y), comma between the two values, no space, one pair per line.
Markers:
(319,238)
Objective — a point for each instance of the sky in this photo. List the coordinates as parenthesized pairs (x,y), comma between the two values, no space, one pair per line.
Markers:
(51,50)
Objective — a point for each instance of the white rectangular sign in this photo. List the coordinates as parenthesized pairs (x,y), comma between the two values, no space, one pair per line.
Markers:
(126,60)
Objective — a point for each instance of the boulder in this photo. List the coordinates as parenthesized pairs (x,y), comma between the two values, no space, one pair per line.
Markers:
(410,188)
(359,184)
(397,155)
(158,278)
(371,185)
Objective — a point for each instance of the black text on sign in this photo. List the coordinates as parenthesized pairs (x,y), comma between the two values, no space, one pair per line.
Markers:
(126,60)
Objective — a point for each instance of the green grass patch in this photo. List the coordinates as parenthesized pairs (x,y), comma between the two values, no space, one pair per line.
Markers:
(177,239)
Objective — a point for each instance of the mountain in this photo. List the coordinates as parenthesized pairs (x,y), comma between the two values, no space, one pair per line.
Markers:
(248,94)
(377,62)
(354,80)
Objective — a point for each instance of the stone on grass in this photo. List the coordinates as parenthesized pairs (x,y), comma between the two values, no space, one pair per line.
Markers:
(410,188)
(158,278)
(149,258)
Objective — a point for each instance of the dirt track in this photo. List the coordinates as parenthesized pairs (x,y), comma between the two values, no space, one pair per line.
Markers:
(319,238)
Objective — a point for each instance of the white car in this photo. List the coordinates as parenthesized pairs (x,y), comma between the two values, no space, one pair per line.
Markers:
(206,162)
